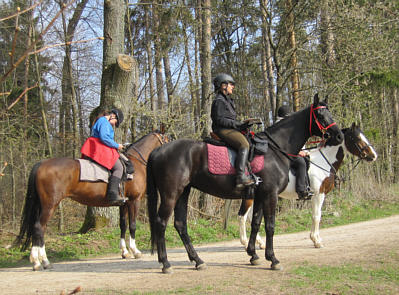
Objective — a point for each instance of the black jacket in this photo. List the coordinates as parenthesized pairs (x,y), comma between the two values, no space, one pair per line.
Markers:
(223,113)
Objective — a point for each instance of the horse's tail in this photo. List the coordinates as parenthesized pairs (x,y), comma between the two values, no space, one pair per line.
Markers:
(31,212)
(152,203)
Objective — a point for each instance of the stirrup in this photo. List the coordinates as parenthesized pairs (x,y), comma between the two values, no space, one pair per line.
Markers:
(241,183)
(306,195)
(117,202)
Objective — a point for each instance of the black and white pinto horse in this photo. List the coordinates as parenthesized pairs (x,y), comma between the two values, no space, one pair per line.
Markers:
(179,165)
(324,164)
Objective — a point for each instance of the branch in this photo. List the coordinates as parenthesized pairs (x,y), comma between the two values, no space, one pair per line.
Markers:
(66,43)
(2,169)
(22,58)
(22,94)
(21,12)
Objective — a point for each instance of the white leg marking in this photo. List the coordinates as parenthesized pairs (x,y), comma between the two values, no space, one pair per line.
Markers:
(43,257)
(132,246)
(34,258)
(122,246)
(317,203)
(243,230)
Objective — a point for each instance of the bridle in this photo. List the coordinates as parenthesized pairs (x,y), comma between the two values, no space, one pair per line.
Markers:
(361,150)
(162,138)
(322,129)
(362,156)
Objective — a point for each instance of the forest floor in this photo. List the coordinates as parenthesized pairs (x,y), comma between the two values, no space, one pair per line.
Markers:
(228,271)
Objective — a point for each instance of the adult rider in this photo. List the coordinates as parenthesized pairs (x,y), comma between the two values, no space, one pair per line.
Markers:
(227,127)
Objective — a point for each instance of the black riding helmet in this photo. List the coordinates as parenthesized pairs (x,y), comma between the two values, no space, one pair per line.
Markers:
(222,78)
(119,116)
(283,111)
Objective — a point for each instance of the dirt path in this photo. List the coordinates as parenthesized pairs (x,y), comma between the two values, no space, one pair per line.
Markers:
(228,271)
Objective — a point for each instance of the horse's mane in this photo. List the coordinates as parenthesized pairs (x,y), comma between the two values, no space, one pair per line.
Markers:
(139,141)
(286,120)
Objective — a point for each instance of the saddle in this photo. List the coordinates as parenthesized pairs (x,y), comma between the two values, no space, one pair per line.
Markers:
(221,161)
(257,145)
(221,158)
(91,171)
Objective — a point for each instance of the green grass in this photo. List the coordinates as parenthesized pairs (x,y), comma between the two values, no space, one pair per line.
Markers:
(73,246)
(366,278)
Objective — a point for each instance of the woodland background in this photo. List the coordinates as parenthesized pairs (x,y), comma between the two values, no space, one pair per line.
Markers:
(279,52)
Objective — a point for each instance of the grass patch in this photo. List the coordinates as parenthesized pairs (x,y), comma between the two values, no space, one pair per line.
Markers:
(381,278)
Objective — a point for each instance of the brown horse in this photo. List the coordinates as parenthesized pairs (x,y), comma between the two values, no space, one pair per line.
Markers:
(53,180)
(135,191)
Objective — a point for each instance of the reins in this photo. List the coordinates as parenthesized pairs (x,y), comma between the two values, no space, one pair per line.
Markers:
(335,172)
(141,159)
(322,129)
(276,146)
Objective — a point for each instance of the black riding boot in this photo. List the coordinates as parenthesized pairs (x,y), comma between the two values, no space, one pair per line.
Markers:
(241,162)
(113,192)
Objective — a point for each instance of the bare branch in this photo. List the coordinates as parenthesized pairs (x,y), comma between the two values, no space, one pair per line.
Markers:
(21,12)
(22,94)
(66,43)
(2,168)
(27,52)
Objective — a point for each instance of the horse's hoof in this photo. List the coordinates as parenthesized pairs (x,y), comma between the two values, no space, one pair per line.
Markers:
(318,245)
(262,247)
(276,267)
(138,255)
(47,266)
(254,261)
(201,266)
(37,267)
(125,255)
(167,270)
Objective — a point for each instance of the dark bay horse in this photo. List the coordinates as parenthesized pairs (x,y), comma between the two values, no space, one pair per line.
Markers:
(177,166)
(324,164)
(52,180)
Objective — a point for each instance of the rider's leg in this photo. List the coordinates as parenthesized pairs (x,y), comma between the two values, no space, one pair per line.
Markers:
(237,140)
(301,186)
(113,185)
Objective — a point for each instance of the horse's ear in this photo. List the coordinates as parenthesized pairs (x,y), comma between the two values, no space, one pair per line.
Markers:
(353,126)
(316,99)
(326,100)
(162,128)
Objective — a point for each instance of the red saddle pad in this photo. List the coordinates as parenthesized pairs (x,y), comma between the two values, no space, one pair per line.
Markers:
(221,159)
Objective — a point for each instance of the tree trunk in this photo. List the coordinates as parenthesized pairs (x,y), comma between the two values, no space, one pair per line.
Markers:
(198,34)
(327,35)
(150,61)
(117,85)
(190,77)
(158,56)
(206,58)
(267,61)
(294,60)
